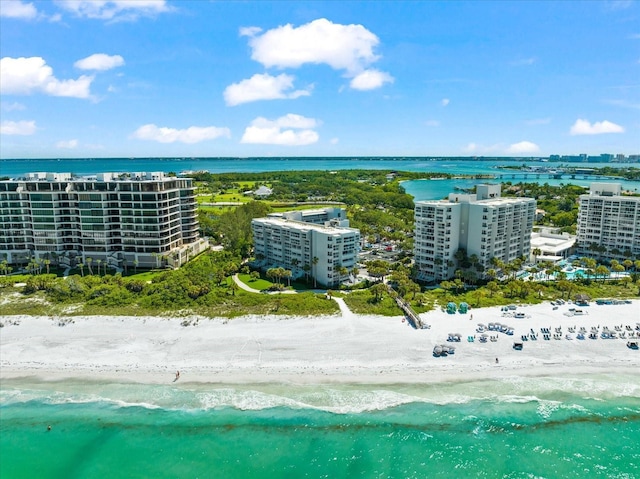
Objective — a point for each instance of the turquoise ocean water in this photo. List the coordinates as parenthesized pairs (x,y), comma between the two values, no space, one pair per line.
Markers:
(579,427)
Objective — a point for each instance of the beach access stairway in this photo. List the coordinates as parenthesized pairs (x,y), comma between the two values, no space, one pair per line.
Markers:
(410,314)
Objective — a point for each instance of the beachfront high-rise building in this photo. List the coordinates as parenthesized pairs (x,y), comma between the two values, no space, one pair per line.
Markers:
(318,242)
(144,219)
(484,224)
(608,223)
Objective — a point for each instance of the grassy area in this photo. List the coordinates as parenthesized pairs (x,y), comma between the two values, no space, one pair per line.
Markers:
(362,302)
(232,196)
(258,284)
(548,291)
(216,210)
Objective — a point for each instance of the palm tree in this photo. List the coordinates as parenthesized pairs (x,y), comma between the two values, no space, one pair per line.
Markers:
(295,262)
(47,262)
(314,262)
(81,266)
(474,260)
(89,261)
(536,252)
(493,287)
(306,268)
(354,272)
(99,263)
(492,274)
(288,274)
(378,290)
(342,271)
(603,271)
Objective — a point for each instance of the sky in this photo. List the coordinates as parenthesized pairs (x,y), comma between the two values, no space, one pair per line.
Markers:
(170,78)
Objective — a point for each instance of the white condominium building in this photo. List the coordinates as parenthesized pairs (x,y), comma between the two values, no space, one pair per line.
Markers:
(315,242)
(485,225)
(608,223)
(145,219)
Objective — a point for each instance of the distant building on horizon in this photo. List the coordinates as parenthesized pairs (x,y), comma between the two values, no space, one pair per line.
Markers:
(484,224)
(608,223)
(317,242)
(144,219)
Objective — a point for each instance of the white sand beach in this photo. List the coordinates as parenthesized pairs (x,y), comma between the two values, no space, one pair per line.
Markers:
(344,348)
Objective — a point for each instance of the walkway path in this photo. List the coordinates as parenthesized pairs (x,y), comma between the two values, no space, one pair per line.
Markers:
(344,309)
(248,288)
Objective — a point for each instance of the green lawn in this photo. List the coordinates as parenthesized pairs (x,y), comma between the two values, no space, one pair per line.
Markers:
(215,209)
(232,195)
(258,284)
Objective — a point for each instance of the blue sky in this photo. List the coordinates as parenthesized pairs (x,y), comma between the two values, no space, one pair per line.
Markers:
(171,78)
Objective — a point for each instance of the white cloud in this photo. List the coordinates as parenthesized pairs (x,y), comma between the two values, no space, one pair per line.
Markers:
(500,148)
(618,4)
(126,10)
(432,123)
(342,47)
(262,87)
(249,31)
(334,141)
(270,132)
(99,61)
(17,9)
(583,127)
(14,106)
(470,148)
(445,101)
(193,134)
(67,145)
(23,76)
(370,80)
(23,128)
(523,147)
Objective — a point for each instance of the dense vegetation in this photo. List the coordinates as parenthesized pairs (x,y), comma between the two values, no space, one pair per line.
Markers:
(560,203)
(201,287)
(375,200)
(376,203)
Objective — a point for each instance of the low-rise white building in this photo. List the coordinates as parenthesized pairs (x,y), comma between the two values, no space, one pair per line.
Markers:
(315,242)
(483,224)
(553,244)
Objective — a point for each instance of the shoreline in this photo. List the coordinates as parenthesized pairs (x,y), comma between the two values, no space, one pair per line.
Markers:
(343,349)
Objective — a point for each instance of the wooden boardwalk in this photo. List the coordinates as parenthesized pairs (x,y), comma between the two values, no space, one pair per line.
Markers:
(410,314)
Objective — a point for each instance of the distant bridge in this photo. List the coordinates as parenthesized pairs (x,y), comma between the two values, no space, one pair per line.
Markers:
(555,176)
